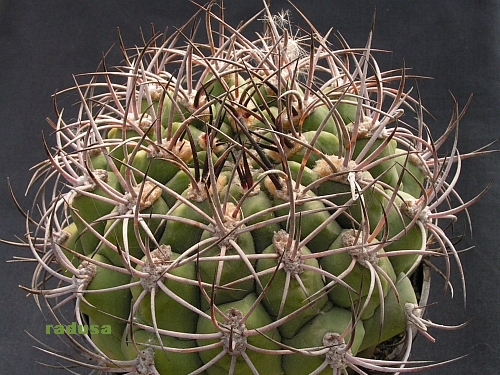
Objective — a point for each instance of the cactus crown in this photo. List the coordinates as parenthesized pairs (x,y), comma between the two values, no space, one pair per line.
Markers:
(243,206)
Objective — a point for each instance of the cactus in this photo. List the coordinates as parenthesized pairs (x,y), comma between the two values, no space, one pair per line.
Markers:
(244,206)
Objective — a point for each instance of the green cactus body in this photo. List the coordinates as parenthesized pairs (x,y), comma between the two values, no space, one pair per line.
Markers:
(122,235)
(124,143)
(172,356)
(258,318)
(69,241)
(87,210)
(319,144)
(394,319)
(251,208)
(154,167)
(246,215)
(182,235)
(332,321)
(319,118)
(385,169)
(307,175)
(310,215)
(347,107)
(218,85)
(107,342)
(177,184)
(413,177)
(369,209)
(110,308)
(225,276)
(402,236)
(301,285)
(370,268)
(169,313)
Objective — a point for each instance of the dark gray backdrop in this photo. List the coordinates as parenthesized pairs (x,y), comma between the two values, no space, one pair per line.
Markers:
(456,42)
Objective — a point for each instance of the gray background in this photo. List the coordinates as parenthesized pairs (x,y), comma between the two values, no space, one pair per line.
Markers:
(42,43)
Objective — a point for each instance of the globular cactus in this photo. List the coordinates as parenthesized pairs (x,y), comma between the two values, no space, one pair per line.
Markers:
(243,206)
